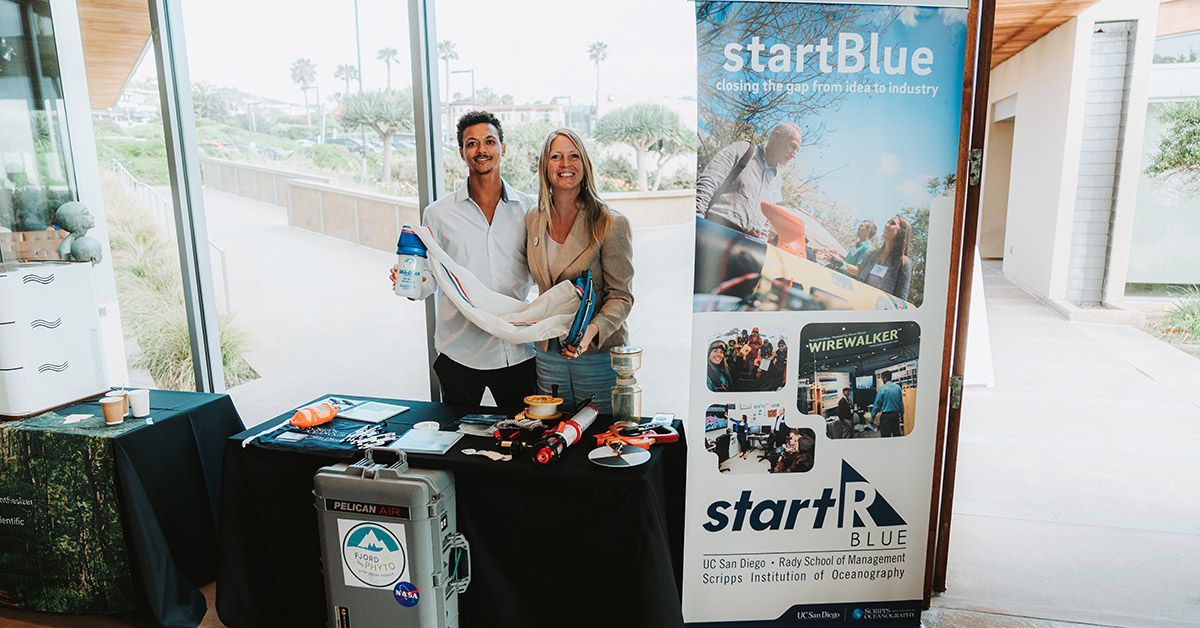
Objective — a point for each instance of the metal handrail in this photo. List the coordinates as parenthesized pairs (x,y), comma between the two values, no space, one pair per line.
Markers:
(164,210)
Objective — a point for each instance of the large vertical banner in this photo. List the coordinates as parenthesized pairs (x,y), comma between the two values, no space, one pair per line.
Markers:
(828,150)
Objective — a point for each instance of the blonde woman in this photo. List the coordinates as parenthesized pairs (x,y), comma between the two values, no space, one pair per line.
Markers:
(570,231)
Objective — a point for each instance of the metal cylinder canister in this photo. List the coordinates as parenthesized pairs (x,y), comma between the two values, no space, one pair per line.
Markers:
(627,394)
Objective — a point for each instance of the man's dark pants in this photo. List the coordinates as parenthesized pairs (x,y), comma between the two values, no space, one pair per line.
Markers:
(463,385)
(889,424)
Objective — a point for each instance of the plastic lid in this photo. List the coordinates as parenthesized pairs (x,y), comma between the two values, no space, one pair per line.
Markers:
(410,243)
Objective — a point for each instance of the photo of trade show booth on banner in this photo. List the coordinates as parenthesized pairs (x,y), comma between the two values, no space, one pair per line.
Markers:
(757,438)
(861,377)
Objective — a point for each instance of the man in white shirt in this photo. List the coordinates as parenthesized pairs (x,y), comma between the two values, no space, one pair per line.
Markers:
(482,227)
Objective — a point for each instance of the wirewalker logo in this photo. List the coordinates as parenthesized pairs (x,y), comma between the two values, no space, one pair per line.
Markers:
(858,505)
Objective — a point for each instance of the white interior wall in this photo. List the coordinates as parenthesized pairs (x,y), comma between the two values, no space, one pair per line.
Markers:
(1041,77)
(1049,79)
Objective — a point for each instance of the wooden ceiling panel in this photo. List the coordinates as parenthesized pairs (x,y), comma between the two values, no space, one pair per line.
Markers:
(1019,23)
(114,34)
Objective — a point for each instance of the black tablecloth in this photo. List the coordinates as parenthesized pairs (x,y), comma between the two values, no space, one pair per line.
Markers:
(571,545)
(170,478)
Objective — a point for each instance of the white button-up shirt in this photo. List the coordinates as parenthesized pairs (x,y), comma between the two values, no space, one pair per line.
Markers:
(495,254)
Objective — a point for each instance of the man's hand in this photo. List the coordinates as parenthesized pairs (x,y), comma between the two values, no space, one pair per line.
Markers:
(571,352)
(393,274)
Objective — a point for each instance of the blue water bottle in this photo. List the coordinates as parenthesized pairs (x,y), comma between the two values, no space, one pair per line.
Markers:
(410,265)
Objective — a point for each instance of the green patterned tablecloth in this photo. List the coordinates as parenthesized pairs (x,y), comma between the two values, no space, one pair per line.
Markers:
(62,542)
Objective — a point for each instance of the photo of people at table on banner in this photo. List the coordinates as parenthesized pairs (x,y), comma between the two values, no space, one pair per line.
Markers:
(861,377)
(756,438)
(741,360)
(819,170)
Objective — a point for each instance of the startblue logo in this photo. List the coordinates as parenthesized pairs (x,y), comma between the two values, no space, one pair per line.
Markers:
(406,593)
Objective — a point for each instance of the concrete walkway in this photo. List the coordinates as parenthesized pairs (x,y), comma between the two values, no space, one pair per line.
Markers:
(1077,496)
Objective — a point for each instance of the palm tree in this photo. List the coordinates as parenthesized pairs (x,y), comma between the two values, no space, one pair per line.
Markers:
(388,55)
(347,72)
(597,52)
(304,74)
(447,53)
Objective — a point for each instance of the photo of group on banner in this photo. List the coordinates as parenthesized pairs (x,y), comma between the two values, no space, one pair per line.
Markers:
(804,201)
(746,361)
(862,378)
(755,438)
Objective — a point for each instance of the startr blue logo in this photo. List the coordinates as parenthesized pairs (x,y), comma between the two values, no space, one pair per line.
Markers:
(858,505)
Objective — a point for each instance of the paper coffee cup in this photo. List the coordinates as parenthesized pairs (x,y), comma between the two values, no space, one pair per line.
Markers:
(124,396)
(139,403)
(112,406)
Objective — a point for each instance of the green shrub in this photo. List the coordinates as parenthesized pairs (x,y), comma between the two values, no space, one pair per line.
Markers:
(145,158)
(328,157)
(1182,322)
(614,173)
(149,289)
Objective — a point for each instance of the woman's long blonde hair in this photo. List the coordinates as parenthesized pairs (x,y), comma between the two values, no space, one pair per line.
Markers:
(594,209)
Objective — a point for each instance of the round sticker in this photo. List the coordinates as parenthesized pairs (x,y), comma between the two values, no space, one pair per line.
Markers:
(407,594)
(373,555)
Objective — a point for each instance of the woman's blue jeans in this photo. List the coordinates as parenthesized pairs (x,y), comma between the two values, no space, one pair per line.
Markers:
(589,374)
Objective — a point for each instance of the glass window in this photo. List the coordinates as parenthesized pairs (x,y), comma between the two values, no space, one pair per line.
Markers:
(120,221)
(35,178)
(147,333)
(1166,223)
(619,79)
(1181,48)
(309,164)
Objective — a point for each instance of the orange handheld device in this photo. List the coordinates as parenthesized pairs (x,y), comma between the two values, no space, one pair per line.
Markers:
(314,415)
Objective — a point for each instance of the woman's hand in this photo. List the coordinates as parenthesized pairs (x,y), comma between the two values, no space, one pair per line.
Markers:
(394,275)
(571,352)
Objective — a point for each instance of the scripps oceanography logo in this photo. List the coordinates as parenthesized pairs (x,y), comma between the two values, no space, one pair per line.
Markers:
(854,503)
(884,613)
(373,554)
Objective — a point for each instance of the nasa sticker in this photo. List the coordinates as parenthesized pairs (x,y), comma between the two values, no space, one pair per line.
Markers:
(406,593)
(373,553)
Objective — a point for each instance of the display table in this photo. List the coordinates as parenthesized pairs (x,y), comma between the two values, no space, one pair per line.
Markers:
(100,519)
(571,545)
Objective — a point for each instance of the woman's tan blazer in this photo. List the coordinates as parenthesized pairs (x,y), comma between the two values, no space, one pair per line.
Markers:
(612,270)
